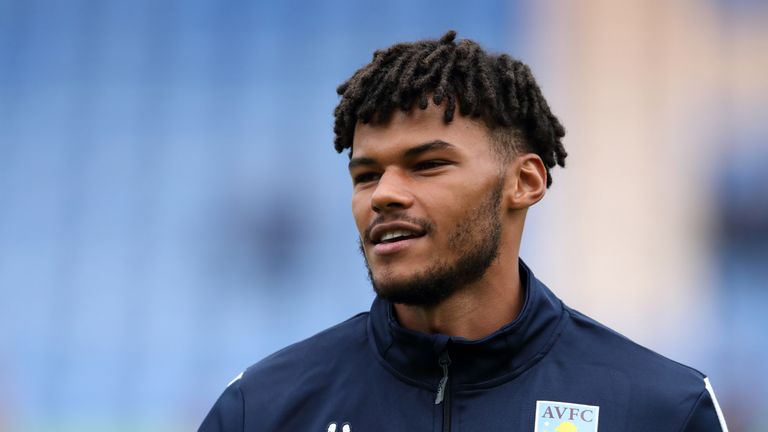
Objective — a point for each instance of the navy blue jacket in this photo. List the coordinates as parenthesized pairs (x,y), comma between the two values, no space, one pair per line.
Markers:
(552,369)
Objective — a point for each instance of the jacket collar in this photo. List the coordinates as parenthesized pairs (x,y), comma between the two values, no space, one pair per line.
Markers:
(498,357)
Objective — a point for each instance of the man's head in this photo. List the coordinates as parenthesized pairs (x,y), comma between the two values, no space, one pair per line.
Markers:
(436,195)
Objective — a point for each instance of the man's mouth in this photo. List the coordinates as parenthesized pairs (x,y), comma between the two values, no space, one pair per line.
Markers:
(397,235)
(391,237)
(392,232)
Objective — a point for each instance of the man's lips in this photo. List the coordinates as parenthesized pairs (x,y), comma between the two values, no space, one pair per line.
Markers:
(389,248)
(379,231)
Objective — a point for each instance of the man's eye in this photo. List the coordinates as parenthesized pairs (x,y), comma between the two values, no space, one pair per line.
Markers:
(429,164)
(366,177)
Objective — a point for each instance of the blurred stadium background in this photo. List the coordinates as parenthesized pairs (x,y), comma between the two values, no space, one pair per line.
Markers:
(172,210)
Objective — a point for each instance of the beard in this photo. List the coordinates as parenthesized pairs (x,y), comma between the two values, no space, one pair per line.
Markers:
(476,238)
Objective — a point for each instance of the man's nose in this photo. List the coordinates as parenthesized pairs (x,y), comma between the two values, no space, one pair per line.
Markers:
(391,193)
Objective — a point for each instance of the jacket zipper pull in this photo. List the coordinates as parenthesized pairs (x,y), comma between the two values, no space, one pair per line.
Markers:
(444,361)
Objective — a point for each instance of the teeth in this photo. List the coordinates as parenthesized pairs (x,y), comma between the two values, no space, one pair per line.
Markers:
(395,234)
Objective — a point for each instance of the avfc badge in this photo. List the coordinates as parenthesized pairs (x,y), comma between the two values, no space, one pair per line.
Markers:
(565,417)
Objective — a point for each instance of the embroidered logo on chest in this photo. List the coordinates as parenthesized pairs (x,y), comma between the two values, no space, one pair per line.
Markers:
(565,417)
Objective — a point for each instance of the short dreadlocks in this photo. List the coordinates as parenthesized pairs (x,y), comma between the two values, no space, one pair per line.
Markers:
(495,88)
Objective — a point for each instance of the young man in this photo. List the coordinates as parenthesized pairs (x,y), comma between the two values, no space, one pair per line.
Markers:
(449,146)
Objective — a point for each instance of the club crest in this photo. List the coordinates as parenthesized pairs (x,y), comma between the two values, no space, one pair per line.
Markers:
(565,417)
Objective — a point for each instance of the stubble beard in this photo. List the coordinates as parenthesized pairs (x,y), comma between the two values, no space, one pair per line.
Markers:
(477,238)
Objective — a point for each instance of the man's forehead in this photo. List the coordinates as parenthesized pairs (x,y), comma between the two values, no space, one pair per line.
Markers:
(399,120)
(413,128)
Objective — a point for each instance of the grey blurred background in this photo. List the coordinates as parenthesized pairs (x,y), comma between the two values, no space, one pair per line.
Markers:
(172,210)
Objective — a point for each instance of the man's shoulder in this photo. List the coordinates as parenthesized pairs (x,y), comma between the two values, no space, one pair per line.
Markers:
(611,351)
(275,387)
(639,383)
(311,354)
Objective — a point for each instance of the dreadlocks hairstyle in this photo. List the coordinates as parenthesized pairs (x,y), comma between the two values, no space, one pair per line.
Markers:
(497,89)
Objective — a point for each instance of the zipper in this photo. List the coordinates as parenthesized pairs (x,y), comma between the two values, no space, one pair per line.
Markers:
(443,393)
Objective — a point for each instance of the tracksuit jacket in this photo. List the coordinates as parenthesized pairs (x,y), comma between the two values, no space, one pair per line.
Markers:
(550,370)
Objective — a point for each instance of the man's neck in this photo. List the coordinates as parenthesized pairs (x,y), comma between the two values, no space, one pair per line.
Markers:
(473,312)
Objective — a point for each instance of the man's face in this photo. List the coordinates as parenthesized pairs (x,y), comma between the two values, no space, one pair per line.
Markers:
(427,204)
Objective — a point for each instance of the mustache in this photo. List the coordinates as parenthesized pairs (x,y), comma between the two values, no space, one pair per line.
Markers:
(425,224)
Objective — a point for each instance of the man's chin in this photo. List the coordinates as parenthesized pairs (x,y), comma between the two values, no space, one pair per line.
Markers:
(411,291)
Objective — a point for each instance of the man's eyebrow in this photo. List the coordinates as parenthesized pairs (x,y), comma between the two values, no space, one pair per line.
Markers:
(428,146)
(410,153)
(361,161)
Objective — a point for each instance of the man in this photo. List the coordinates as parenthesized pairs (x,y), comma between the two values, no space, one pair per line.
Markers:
(449,146)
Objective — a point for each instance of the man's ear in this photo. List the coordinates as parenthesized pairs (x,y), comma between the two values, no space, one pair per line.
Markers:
(526,181)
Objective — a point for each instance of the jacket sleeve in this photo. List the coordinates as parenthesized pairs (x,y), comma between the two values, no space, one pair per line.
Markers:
(706,414)
(227,413)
